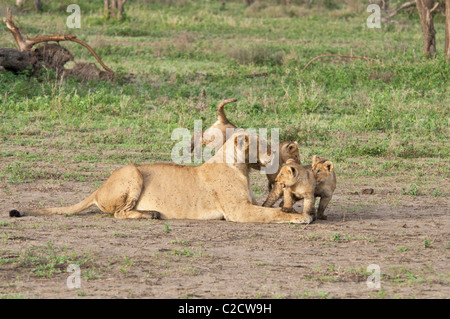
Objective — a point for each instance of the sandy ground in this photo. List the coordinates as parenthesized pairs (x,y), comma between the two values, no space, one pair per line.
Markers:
(407,237)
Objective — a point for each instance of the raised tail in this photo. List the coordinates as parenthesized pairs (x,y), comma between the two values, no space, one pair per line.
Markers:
(221,113)
(85,203)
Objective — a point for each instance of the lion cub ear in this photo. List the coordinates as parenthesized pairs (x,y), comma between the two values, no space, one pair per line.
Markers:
(294,171)
(292,146)
(329,165)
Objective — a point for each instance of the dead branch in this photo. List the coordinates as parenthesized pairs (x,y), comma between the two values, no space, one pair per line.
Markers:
(341,56)
(93,53)
(398,9)
(25,43)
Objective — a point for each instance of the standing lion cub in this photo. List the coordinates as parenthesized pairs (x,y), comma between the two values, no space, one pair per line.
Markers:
(295,182)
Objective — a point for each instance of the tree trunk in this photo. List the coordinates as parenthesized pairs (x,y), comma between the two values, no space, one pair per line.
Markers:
(106,8)
(447,29)
(114,8)
(425,9)
(38,5)
(120,8)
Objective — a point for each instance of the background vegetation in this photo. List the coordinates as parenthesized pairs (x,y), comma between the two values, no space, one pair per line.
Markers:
(371,119)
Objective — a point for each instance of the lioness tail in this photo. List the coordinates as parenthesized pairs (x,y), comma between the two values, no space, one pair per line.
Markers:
(85,203)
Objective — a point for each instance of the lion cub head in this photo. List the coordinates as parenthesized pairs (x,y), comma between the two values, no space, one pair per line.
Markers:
(288,174)
(322,168)
(289,150)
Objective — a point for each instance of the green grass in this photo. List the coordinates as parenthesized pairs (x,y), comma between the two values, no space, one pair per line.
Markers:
(48,260)
(347,110)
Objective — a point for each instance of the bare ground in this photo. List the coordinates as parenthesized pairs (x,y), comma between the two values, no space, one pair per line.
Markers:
(406,236)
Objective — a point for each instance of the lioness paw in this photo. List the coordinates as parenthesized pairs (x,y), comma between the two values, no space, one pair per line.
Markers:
(303,219)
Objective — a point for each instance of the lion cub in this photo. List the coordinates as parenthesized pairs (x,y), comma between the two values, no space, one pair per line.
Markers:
(324,183)
(297,182)
(287,151)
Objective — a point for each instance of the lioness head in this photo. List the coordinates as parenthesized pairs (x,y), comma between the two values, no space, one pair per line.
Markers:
(289,150)
(322,168)
(288,174)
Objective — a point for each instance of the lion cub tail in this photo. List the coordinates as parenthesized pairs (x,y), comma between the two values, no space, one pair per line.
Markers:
(85,203)
(221,113)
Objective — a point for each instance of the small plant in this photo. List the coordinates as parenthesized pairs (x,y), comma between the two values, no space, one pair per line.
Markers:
(45,261)
(127,261)
(426,243)
(336,237)
(413,190)
(436,192)
(402,248)
(166,228)
(92,273)
(381,294)
(181,242)
(181,252)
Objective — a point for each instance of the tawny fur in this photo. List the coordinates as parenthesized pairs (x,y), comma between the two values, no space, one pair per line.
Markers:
(295,181)
(324,181)
(216,189)
(215,136)
(211,136)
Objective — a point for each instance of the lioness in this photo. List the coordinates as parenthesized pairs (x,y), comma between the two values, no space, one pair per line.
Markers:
(325,184)
(215,136)
(216,189)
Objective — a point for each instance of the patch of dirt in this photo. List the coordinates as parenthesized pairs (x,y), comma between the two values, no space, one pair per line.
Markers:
(406,236)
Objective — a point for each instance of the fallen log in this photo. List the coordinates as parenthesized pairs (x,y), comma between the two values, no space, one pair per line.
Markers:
(52,56)
(16,61)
